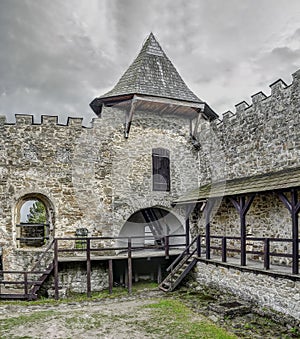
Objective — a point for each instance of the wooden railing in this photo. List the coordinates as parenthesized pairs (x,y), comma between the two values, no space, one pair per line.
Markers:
(223,250)
(88,246)
(26,283)
(89,249)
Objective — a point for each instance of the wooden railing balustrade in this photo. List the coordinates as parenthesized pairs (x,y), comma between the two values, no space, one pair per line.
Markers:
(265,253)
(59,246)
(107,246)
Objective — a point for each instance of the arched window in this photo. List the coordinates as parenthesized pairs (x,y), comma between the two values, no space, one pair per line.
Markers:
(33,222)
(161,169)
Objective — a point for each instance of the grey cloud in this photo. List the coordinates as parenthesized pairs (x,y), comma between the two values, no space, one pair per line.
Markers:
(49,64)
(56,56)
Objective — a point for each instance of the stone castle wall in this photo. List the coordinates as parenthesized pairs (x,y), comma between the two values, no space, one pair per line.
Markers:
(258,138)
(88,177)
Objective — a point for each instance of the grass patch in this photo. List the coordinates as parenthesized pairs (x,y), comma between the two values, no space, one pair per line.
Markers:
(20,319)
(118,292)
(172,319)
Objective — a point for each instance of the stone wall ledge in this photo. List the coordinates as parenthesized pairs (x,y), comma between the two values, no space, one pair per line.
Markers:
(255,270)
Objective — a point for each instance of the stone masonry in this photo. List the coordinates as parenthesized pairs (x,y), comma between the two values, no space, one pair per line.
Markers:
(88,177)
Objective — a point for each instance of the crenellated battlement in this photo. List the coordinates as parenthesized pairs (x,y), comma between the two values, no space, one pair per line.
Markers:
(46,120)
(277,87)
(258,97)
(241,107)
(278,99)
(263,135)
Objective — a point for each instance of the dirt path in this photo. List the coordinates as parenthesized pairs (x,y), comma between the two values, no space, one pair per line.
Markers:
(110,318)
(94,320)
(128,317)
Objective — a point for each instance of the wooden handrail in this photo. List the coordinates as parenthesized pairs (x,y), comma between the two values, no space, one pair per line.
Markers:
(43,255)
(185,251)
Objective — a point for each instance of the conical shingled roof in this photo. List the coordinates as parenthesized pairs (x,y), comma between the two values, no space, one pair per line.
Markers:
(152,73)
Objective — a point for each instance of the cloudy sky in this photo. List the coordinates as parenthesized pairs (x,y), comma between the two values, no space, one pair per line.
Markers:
(57,55)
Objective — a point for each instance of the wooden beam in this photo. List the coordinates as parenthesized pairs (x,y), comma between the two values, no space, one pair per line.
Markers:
(293,206)
(197,122)
(168,101)
(88,267)
(128,117)
(242,205)
(207,210)
(285,200)
(188,210)
(110,275)
(129,266)
(55,262)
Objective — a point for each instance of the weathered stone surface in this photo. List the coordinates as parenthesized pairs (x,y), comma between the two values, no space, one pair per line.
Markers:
(266,291)
(88,177)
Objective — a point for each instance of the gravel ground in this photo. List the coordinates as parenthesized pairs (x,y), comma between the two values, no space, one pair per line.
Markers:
(123,318)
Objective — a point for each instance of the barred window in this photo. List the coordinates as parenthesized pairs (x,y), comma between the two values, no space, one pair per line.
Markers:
(161,169)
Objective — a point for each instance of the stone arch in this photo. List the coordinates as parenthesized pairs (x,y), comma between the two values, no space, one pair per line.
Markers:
(137,226)
(49,210)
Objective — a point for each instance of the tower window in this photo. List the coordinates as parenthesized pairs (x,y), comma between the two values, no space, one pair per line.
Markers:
(161,169)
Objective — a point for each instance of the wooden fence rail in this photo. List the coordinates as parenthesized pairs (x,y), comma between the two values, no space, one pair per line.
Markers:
(265,251)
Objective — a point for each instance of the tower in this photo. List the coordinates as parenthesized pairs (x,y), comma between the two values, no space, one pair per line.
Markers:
(152,82)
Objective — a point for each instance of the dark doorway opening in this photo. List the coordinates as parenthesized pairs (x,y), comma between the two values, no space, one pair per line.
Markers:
(151,269)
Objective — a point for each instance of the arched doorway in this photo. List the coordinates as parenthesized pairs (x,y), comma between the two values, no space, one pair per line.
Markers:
(151,225)
(147,229)
(34,220)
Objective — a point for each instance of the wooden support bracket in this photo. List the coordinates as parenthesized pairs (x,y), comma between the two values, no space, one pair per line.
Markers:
(293,206)
(242,205)
(128,117)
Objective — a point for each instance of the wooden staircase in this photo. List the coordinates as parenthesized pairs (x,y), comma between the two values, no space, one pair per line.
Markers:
(8,290)
(181,267)
(154,225)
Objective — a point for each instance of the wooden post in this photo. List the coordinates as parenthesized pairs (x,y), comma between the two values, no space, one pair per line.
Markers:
(187,232)
(295,231)
(243,233)
(110,275)
(56,293)
(129,266)
(293,206)
(159,274)
(224,249)
(267,253)
(207,210)
(198,245)
(167,247)
(88,267)
(188,210)
(26,283)
(242,206)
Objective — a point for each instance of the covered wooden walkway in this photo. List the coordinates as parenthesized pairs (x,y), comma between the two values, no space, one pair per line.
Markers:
(241,192)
